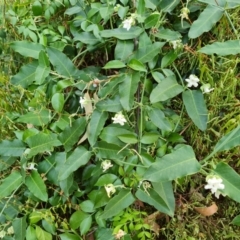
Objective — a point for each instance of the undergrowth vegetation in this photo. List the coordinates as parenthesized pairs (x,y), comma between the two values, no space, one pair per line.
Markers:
(119,119)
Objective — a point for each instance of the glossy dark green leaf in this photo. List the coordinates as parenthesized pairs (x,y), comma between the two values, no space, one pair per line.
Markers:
(6,161)
(110,105)
(58,101)
(31,233)
(123,49)
(137,65)
(19,226)
(86,38)
(114,64)
(151,20)
(43,235)
(69,236)
(128,138)
(36,186)
(168,5)
(168,59)
(167,34)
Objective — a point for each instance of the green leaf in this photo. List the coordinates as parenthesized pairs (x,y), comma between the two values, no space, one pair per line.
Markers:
(19,226)
(168,5)
(165,90)
(42,235)
(6,162)
(127,89)
(229,141)
(27,49)
(58,101)
(122,33)
(236,221)
(104,233)
(158,118)
(62,63)
(26,75)
(106,179)
(168,59)
(86,38)
(231,47)
(114,64)
(13,148)
(123,49)
(230,180)
(177,164)
(31,233)
(118,203)
(71,134)
(147,53)
(137,65)
(196,108)
(49,226)
(128,138)
(206,20)
(110,105)
(41,143)
(10,183)
(87,206)
(167,34)
(96,125)
(141,7)
(37,118)
(36,186)
(76,219)
(43,68)
(226,4)
(69,236)
(153,198)
(79,157)
(151,20)
(149,138)
(85,225)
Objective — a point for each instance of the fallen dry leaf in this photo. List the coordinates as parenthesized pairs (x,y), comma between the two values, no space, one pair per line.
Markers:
(207,211)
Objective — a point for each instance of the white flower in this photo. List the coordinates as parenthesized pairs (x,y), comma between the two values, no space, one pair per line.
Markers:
(206,88)
(106,165)
(30,166)
(2,234)
(127,23)
(214,184)
(192,80)
(83,102)
(119,234)
(177,44)
(184,13)
(10,230)
(119,118)
(110,189)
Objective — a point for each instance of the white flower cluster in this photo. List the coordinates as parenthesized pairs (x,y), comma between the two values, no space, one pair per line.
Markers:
(119,234)
(129,22)
(215,184)
(192,80)
(206,88)
(119,118)
(106,164)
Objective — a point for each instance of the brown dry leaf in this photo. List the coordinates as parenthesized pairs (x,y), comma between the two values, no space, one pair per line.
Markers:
(151,221)
(84,137)
(88,107)
(207,211)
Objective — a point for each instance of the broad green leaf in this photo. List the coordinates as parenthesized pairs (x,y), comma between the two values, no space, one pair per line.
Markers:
(85,225)
(110,151)
(36,186)
(229,141)
(49,226)
(43,68)
(58,101)
(26,75)
(65,184)
(236,221)
(147,53)
(6,162)
(122,33)
(128,138)
(110,134)
(174,165)
(150,137)
(71,134)
(42,235)
(76,219)
(127,89)
(168,59)
(10,183)
(69,236)
(151,20)
(123,49)
(41,143)
(86,38)
(231,47)
(31,233)
(104,233)
(106,179)
(87,206)
(165,190)
(230,180)
(96,125)
(27,49)
(62,63)
(137,65)
(196,108)
(167,34)
(99,197)
(79,157)
(118,203)
(166,89)
(168,5)
(114,64)
(37,118)
(13,148)
(19,226)
(206,20)
(153,198)
(141,7)
(226,4)
(110,105)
